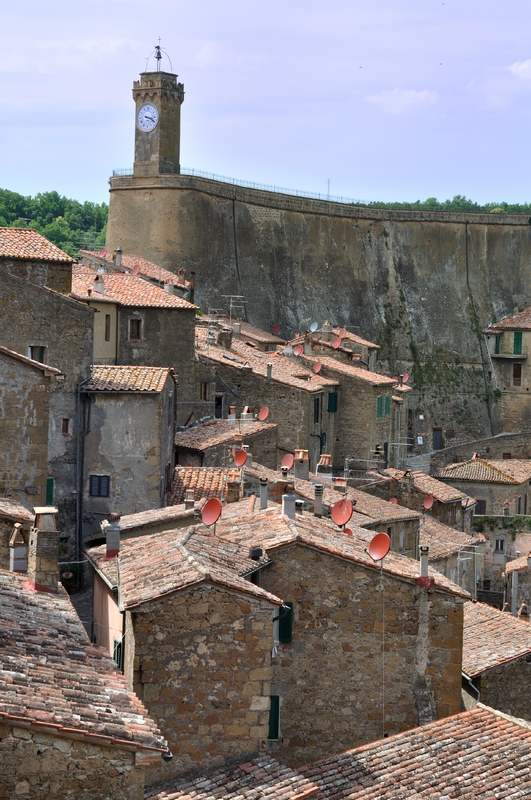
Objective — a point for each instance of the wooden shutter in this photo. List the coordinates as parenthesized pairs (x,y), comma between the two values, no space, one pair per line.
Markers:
(274,717)
(285,624)
(332,402)
(50,486)
(379,406)
(517,349)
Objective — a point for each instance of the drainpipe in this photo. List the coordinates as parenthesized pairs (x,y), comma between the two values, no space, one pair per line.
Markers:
(79,474)
(514,591)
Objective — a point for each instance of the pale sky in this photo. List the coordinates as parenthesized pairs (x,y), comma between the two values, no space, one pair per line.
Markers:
(387,99)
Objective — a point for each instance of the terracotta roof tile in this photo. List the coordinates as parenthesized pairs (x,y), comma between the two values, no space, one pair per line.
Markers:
(270,529)
(126,290)
(163,563)
(206,482)
(259,779)
(217,431)
(426,484)
(15,511)
(145,268)
(518,564)
(251,332)
(25,360)
(27,244)
(127,379)
(491,638)
(513,322)
(241,355)
(163,516)
(443,540)
(491,471)
(477,755)
(374,378)
(51,673)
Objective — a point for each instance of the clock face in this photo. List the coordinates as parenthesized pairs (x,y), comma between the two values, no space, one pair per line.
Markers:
(148,116)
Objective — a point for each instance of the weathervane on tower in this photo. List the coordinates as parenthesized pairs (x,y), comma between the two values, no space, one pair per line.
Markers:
(157,53)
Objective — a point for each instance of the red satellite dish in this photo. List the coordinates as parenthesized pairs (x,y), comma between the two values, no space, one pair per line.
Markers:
(336,343)
(405,377)
(298,350)
(136,269)
(342,512)
(428,502)
(276,329)
(348,532)
(211,512)
(102,253)
(263,414)
(379,546)
(287,461)
(317,367)
(342,332)
(393,500)
(240,458)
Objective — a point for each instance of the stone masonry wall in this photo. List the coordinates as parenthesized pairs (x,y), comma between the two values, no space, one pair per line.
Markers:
(40,765)
(201,663)
(329,677)
(56,275)
(507,688)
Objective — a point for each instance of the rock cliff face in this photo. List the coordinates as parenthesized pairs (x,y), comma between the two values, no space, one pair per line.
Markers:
(422,284)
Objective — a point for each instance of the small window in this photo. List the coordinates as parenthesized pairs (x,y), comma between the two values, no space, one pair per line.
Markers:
(118,653)
(481,508)
(316,410)
(50,491)
(387,406)
(285,623)
(500,546)
(218,410)
(525,504)
(497,345)
(519,506)
(517,343)
(108,327)
(379,406)
(332,402)
(65,428)
(517,374)
(135,329)
(486,585)
(99,485)
(203,391)
(506,456)
(274,717)
(36,353)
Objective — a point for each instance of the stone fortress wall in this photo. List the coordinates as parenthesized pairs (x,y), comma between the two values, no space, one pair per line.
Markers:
(422,284)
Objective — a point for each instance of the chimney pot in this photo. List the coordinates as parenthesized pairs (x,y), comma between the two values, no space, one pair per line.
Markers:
(263,491)
(269,372)
(189,501)
(118,260)
(424,554)
(112,536)
(288,505)
(301,465)
(43,553)
(318,503)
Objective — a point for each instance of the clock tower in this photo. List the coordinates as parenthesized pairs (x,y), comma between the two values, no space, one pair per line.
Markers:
(158,99)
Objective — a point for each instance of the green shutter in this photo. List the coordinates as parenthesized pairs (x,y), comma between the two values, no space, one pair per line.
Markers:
(285,624)
(379,406)
(497,345)
(274,717)
(517,349)
(49,491)
(332,402)
(387,406)
(118,653)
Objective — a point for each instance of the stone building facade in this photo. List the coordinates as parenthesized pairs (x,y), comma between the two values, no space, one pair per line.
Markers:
(498,486)
(210,444)
(26,254)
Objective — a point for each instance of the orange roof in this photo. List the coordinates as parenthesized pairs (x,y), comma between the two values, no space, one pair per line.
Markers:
(206,482)
(126,290)
(425,484)
(129,262)
(128,379)
(443,541)
(251,332)
(218,431)
(163,563)
(513,322)
(241,356)
(333,364)
(512,470)
(27,244)
(492,638)
(517,563)
(12,510)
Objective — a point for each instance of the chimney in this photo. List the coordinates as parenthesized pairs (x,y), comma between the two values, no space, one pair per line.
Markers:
(256,553)
(237,328)
(189,501)
(269,372)
(424,553)
(326,331)
(301,466)
(288,505)
(181,275)
(118,260)
(284,471)
(43,554)
(225,338)
(263,491)
(233,491)
(99,284)
(168,288)
(18,549)
(318,504)
(112,536)
(232,413)
(246,415)
(299,506)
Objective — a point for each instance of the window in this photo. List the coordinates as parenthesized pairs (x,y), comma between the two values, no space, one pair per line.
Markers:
(108,327)
(387,406)
(497,345)
(50,491)
(285,623)
(218,410)
(517,343)
(135,329)
(274,717)
(99,485)
(316,410)
(453,515)
(65,429)
(517,374)
(481,508)
(500,545)
(506,456)
(379,407)
(519,506)
(203,391)
(332,402)
(36,353)
(486,585)
(118,653)
(525,504)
